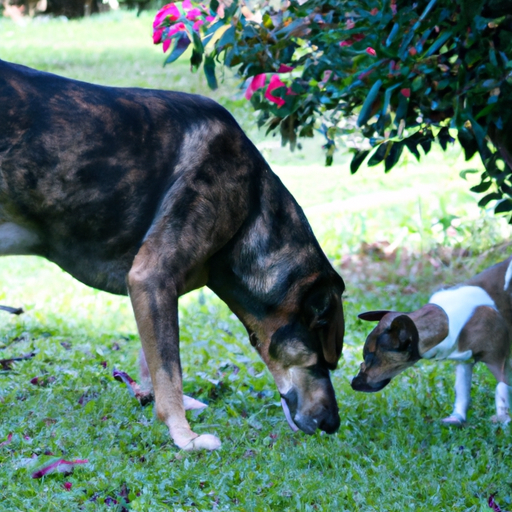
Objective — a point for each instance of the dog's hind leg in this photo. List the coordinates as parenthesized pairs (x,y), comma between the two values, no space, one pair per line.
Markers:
(503,374)
(463,374)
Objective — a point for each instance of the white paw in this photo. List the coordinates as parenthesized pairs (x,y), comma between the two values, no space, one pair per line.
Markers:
(454,420)
(501,418)
(204,442)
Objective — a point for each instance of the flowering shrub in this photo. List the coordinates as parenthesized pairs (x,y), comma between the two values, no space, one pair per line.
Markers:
(401,74)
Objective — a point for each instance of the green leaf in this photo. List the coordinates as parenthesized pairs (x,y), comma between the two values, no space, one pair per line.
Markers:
(503,206)
(392,34)
(228,38)
(467,141)
(440,41)
(358,159)
(179,46)
(195,60)
(393,155)
(366,109)
(493,196)
(379,155)
(209,72)
(463,174)
(483,186)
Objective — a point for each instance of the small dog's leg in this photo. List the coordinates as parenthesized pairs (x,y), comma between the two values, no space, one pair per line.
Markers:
(503,373)
(502,403)
(463,374)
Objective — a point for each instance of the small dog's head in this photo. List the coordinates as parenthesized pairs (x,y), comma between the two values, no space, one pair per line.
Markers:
(389,349)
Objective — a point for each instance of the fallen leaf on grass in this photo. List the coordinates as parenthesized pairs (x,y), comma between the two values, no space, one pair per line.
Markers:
(42,381)
(492,504)
(145,397)
(7,363)
(7,441)
(58,466)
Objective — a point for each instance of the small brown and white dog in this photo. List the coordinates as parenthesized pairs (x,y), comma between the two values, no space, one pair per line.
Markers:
(470,322)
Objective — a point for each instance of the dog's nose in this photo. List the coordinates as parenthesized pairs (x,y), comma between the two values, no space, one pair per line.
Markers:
(327,420)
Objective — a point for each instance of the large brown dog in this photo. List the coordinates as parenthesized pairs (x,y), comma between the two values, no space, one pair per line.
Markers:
(468,323)
(156,193)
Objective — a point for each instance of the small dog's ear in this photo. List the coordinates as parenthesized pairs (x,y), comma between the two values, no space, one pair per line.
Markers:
(373,316)
(404,332)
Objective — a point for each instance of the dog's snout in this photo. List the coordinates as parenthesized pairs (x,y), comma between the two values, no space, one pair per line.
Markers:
(325,418)
(360,383)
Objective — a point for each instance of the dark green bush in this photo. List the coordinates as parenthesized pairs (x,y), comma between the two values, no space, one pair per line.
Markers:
(401,74)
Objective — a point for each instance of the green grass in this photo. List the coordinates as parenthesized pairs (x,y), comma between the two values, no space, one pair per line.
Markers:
(391,452)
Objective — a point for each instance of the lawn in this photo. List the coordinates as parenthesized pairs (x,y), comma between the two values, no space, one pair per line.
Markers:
(394,238)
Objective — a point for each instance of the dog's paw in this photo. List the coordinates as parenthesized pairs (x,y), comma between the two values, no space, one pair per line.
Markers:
(454,420)
(203,442)
(501,418)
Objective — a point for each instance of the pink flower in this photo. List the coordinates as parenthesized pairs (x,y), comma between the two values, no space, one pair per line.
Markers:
(371,51)
(412,51)
(67,486)
(406,92)
(348,42)
(283,68)
(358,37)
(325,78)
(157,35)
(209,19)
(374,11)
(275,83)
(193,14)
(186,4)
(166,44)
(167,11)
(197,24)
(350,24)
(257,82)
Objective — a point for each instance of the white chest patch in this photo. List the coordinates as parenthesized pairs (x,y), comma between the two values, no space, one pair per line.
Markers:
(508,276)
(459,305)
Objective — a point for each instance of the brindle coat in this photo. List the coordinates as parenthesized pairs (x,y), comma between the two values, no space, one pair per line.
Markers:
(155,193)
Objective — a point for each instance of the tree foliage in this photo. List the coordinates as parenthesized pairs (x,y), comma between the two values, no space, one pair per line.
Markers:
(401,74)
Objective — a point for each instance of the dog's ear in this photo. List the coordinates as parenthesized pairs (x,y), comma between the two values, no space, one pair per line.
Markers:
(373,316)
(324,312)
(403,333)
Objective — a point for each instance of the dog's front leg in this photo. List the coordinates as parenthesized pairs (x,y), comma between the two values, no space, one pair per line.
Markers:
(463,375)
(155,304)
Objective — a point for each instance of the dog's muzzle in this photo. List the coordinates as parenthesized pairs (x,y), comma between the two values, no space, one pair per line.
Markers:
(325,419)
(360,383)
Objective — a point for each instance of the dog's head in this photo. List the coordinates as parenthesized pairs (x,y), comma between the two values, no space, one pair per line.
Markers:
(300,341)
(389,349)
